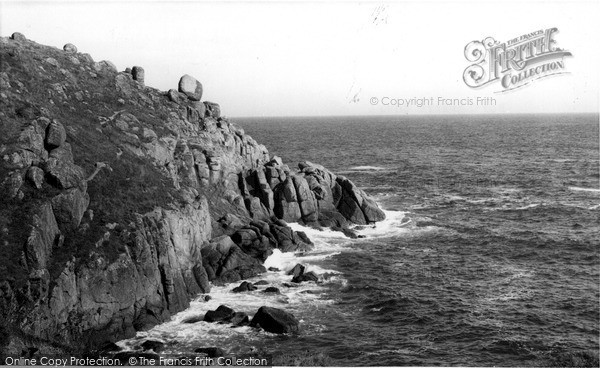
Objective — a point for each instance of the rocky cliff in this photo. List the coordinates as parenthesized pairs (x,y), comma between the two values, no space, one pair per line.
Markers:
(120,203)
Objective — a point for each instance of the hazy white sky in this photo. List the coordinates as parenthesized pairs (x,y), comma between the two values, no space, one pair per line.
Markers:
(316,58)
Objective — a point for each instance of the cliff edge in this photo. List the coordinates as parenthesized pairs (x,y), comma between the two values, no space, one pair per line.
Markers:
(120,203)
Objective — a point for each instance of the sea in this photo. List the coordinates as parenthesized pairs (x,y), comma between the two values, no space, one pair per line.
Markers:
(489,255)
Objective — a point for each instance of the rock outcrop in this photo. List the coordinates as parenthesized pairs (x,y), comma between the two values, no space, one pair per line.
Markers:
(186,200)
(70,48)
(138,74)
(275,320)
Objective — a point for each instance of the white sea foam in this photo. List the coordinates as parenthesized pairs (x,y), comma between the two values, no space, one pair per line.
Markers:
(578,204)
(585,189)
(396,223)
(367,168)
(505,190)
(562,160)
(533,205)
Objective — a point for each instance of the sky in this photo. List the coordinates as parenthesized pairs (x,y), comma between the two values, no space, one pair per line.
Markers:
(274,58)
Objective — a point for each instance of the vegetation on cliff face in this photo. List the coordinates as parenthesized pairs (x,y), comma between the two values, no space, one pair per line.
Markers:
(119,203)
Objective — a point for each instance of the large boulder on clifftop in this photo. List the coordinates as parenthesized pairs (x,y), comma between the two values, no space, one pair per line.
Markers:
(191,87)
(18,36)
(70,48)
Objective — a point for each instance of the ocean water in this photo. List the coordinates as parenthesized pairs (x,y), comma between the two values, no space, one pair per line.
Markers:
(489,254)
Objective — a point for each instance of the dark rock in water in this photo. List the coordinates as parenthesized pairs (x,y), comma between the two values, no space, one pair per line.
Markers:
(332,219)
(194,319)
(138,74)
(211,352)
(308,276)
(371,211)
(286,284)
(262,282)
(108,347)
(272,289)
(18,36)
(223,313)
(55,135)
(70,48)
(124,356)
(350,209)
(149,318)
(302,235)
(239,319)
(275,320)
(154,345)
(355,205)
(244,286)
(284,237)
(348,232)
(274,269)
(298,270)
(577,226)
(207,298)
(190,87)
(288,240)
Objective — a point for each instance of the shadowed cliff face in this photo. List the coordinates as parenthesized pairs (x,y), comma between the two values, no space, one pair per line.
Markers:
(120,203)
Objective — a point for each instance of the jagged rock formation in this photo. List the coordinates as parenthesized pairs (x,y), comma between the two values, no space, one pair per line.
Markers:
(138,74)
(189,199)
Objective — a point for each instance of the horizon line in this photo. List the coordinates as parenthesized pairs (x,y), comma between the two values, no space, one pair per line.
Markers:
(412,115)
